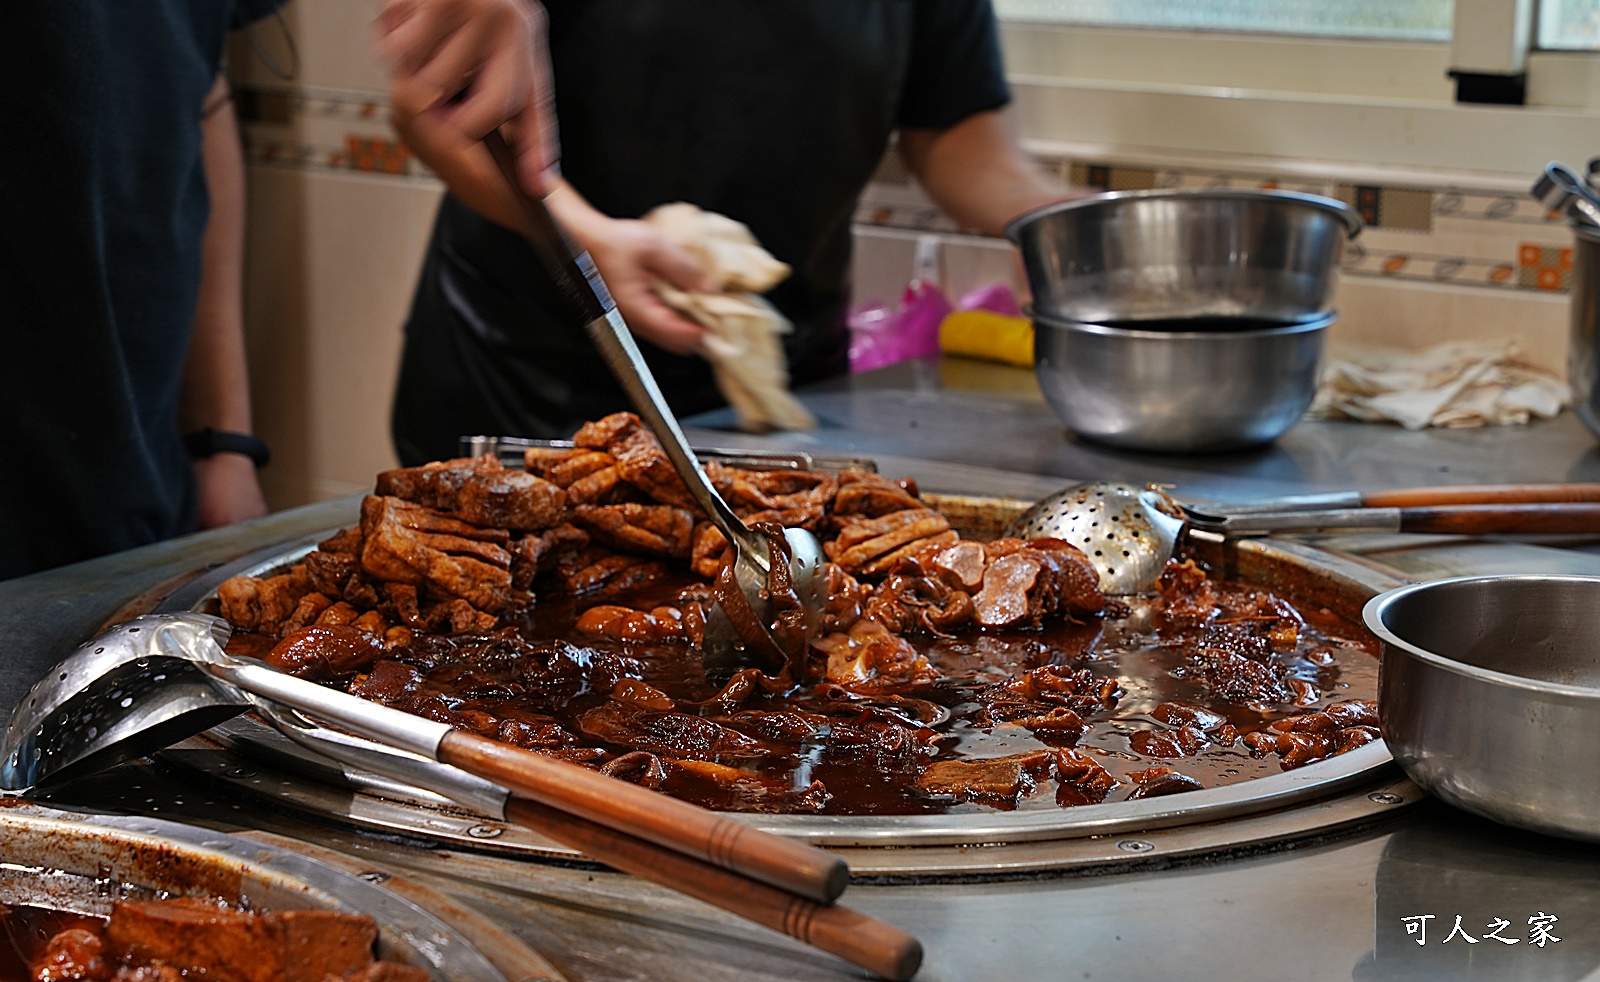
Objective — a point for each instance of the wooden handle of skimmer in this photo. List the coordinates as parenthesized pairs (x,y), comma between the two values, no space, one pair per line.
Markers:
(1482,494)
(1546,519)
(872,944)
(629,809)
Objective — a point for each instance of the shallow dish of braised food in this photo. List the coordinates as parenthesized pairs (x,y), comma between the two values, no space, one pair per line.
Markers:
(558,606)
(169,939)
(124,898)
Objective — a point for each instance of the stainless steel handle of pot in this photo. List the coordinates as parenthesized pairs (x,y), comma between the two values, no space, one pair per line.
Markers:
(1560,189)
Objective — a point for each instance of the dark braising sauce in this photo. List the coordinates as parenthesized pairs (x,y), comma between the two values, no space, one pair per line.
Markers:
(28,930)
(1152,661)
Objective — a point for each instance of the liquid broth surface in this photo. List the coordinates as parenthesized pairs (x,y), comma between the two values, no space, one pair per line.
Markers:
(1150,662)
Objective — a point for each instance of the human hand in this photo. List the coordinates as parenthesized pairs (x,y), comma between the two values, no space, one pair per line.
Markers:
(634,256)
(460,68)
(228,489)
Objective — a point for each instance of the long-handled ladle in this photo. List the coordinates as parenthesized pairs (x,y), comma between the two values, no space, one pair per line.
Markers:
(1128,533)
(833,928)
(154,680)
(756,626)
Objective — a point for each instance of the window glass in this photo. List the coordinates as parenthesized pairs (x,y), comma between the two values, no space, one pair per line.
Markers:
(1569,24)
(1427,20)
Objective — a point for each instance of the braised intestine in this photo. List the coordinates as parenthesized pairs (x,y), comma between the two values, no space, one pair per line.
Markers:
(559,607)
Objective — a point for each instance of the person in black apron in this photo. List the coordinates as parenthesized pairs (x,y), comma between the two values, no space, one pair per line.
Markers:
(774,114)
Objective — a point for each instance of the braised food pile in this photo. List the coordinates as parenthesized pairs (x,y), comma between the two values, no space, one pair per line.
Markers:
(558,607)
(190,938)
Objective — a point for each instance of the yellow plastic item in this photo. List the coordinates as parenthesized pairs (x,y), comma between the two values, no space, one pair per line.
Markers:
(987,335)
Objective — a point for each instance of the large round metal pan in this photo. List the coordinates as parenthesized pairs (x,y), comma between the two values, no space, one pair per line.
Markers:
(1310,575)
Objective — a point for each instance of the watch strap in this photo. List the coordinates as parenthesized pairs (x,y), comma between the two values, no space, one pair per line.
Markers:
(207,442)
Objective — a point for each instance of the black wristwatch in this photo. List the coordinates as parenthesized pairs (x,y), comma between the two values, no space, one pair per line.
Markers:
(206,442)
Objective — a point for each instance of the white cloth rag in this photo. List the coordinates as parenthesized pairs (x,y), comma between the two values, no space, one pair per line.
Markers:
(1454,384)
(742,330)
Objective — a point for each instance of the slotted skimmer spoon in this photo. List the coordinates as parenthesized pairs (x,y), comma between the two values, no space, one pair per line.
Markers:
(748,626)
(1129,533)
(154,680)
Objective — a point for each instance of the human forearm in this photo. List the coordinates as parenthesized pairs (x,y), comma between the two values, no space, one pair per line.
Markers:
(216,390)
(216,384)
(978,173)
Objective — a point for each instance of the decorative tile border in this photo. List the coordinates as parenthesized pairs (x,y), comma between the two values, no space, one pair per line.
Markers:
(1453,235)
(284,105)
(323,130)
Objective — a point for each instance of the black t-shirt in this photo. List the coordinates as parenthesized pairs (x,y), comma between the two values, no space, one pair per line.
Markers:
(773,113)
(102,207)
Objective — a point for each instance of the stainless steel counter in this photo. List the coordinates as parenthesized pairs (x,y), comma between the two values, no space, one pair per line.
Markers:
(1327,908)
(976,414)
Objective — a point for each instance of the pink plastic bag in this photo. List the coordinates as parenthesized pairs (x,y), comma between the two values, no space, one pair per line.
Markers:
(869,337)
(881,336)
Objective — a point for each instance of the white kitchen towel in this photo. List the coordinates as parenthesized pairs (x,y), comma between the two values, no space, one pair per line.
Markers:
(1455,384)
(742,329)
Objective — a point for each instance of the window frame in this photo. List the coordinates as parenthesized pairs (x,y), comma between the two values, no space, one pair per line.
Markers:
(1315,104)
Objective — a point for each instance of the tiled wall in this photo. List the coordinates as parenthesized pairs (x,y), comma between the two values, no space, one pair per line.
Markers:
(339,216)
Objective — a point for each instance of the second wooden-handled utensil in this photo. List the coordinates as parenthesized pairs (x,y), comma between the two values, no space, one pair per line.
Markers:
(154,680)
(872,944)
(1128,533)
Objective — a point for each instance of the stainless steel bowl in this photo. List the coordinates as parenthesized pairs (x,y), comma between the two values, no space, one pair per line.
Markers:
(1222,387)
(1489,692)
(1196,252)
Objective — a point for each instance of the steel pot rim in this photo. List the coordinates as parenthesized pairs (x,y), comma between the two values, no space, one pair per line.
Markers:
(1372,615)
(163,856)
(1307,325)
(1352,222)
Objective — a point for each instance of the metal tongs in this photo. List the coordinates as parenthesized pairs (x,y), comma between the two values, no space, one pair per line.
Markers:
(511,450)
(737,634)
